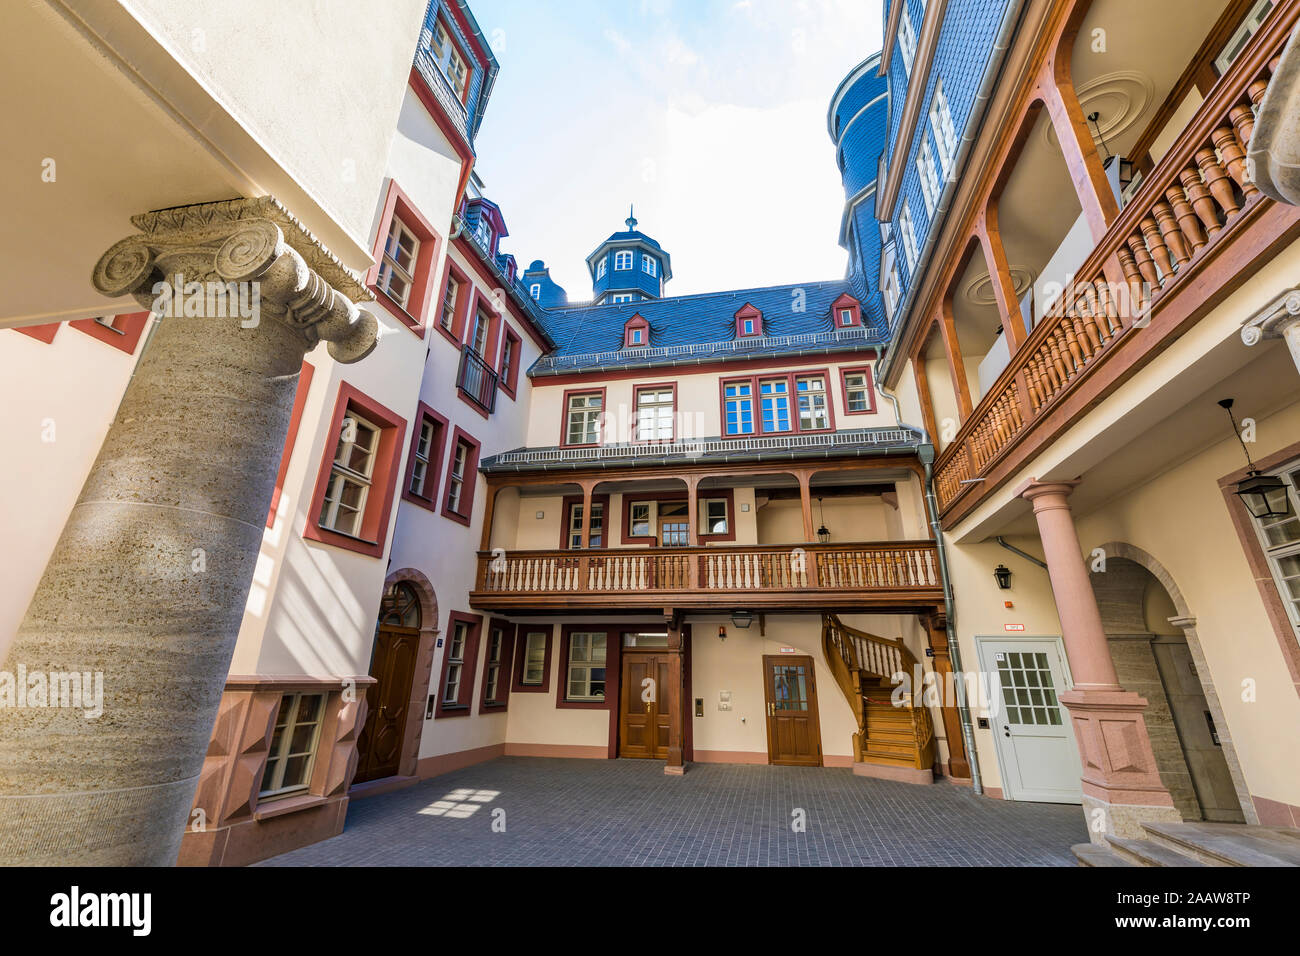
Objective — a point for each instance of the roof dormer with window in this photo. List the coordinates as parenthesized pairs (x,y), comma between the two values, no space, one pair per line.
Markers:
(846,313)
(749,322)
(636,332)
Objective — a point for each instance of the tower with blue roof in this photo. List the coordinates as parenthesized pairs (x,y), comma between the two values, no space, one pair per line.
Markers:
(629,266)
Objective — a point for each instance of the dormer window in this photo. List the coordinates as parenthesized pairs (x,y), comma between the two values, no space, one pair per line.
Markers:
(749,322)
(623,260)
(649,265)
(636,334)
(450,61)
(535,290)
(483,230)
(846,317)
(618,297)
(846,312)
(635,337)
(600,268)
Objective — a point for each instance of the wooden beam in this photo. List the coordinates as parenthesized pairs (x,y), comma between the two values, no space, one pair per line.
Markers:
(1004,286)
(936,629)
(1056,87)
(676,763)
(956,367)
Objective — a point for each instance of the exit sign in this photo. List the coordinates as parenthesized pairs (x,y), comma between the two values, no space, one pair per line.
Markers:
(1015,627)
(788,650)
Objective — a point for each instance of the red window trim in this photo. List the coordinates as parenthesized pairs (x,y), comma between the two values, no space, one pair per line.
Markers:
(636,414)
(397,203)
(637,321)
(845,372)
(567,505)
(125,334)
(791,377)
(613,667)
(432,480)
(463,706)
(508,632)
(602,421)
(295,420)
(625,531)
(470,480)
(517,685)
(495,321)
(748,311)
(846,301)
(470,64)
(453,334)
(379,504)
(510,383)
(41,333)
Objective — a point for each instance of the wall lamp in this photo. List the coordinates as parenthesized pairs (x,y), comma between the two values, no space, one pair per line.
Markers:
(742,618)
(1002,574)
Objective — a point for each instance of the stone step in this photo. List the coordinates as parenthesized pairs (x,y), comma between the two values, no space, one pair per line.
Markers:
(1095,854)
(1229,844)
(1149,853)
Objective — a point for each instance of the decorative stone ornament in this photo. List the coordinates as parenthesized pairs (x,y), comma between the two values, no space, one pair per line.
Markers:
(1280,319)
(1273,156)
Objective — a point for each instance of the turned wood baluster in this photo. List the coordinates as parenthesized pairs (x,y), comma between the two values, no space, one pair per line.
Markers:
(1124,312)
(1188,223)
(1256,93)
(1216,178)
(1242,118)
(1062,350)
(1145,264)
(1173,236)
(1199,196)
(1071,326)
(1155,242)
(1108,323)
(1088,309)
(1078,320)
(1234,158)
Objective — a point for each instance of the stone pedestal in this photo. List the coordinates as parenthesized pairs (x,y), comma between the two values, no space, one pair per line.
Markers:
(148,581)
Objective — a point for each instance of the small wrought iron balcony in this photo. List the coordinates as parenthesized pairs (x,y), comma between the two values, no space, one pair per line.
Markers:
(477,380)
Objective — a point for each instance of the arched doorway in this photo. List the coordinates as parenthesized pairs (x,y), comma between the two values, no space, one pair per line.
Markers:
(393,660)
(1151,635)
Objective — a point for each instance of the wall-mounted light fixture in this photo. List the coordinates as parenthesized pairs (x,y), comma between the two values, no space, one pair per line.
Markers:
(722,632)
(1263,495)
(1002,574)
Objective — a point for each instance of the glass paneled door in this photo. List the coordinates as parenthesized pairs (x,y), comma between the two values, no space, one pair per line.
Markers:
(793,731)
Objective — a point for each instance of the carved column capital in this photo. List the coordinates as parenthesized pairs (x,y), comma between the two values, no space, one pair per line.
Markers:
(236,252)
(1273,321)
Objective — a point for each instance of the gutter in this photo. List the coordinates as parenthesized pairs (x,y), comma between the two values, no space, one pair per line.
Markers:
(926,453)
(1010,23)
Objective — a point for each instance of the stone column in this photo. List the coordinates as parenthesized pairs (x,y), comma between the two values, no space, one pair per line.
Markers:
(1280,320)
(148,581)
(1121,784)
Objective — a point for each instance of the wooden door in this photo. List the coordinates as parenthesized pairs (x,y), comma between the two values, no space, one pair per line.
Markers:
(392,664)
(646,699)
(793,730)
(674,524)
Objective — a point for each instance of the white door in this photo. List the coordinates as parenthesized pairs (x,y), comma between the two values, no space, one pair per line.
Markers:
(1037,752)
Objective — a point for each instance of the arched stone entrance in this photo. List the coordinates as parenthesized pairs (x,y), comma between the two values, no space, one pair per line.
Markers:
(405,637)
(1157,654)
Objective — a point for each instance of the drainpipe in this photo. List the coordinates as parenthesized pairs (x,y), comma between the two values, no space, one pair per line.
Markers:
(926,453)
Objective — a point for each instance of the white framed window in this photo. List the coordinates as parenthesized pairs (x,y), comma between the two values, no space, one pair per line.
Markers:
(601,266)
(654,414)
(713,516)
(747,327)
(423,451)
(623,260)
(857,392)
(929,175)
(640,519)
(482,329)
(596,538)
(449,60)
(350,476)
(292,754)
(582,425)
(534,670)
(492,678)
(739,407)
(1241,36)
(456,477)
(813,410)
(649,265)
(397,266)
(455,662)
(945,134)
(634,337)
(906,41)
(846,317)
(908,232)
(448,317)
(775,394)
(535,290)
(483,230)
(586,673)
(891,291)
(623,297)
(1280,539)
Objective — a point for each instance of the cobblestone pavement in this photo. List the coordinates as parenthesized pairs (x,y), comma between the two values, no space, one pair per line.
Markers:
(628,813)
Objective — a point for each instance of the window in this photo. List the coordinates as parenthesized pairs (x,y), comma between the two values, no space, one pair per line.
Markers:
(424,464)
(397,268)
(747,327)
(508,376)
(583,418)
(1237,42)
(634,337)
(749,321)
(655,411)
(600,267)
(739,411)
(481,334)
(454,672)
(639,519)
(535,290)
(649,265)
(909,235)
(813,414)
(891,291)
(449,60)
(483,232)
(846,317)
(422,454)
(494,659)
(293,745)
(945,136)
(1280,539)
(449,296)
(906,41)
(775,394)
(586,673)
(857,391)
(674,524)
(713,516)
(456,480)
(596,539)
(349,484)
(533,670)
(623,260)
(929,175)
(622,297)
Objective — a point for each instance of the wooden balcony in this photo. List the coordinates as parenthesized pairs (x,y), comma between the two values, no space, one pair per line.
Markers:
(900,576)
(1195,230)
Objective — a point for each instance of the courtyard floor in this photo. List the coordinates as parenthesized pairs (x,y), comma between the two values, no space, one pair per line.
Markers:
(526,811)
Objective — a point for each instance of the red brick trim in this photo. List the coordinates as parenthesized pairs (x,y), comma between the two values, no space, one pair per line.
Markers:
(379,502)
(41,333)
(517,686)
(295,420)
(602,420)
(125,333)
(433,478)
(465,698)
(470,481)
(508,378)
(567,505)
(613,643)
(508,632)
(845,372)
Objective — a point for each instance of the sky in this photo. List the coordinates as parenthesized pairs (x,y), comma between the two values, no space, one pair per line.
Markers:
(708,115)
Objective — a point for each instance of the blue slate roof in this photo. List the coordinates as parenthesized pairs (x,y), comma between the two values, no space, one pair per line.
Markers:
(634,235)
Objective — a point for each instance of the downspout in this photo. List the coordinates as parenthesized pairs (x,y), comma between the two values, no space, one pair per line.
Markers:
(1014,550)
(926,454)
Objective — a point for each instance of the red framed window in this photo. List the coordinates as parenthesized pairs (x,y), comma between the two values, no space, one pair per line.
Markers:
(508,373)
(749,322)
(123,332)
(636,333)
(532,671)
(406,248)
(785,403)
(295,419)
(588,658)
(450,59)
(571,532)
(656,412)
(663,520)
(498,656)
(584,417)
(482,327)
(424,463)
(859,394)
(462,476)
(846,312)
(459,665)
(354,487)
(456,291)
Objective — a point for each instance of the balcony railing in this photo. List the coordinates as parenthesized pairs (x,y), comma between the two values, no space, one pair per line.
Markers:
(1197,199)
(748,576)
(477,380)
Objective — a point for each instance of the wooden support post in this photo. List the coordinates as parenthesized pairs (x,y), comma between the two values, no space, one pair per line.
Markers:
(805,497)
(1004,286)
(692,509)
(488,514)
(676,763)
(1056,87)
(923,393)
(936,628)
(956,366)
(587,488)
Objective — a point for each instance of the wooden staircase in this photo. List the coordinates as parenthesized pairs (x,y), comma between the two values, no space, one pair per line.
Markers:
(895,738)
